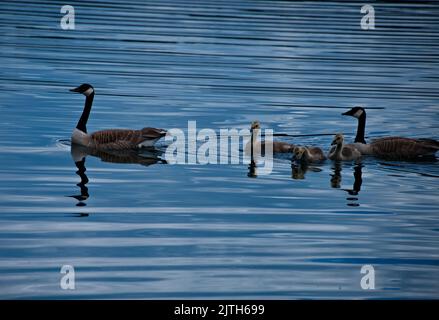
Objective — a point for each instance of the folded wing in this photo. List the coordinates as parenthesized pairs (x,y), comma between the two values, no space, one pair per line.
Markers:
(399,147)
(122,139)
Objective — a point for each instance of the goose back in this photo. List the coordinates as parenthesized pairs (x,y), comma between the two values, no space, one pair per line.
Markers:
(317,154)
(403,148)
(282,147)
(120,139)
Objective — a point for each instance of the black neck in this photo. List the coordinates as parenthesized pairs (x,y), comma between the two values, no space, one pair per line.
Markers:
(82,123)
(361,128)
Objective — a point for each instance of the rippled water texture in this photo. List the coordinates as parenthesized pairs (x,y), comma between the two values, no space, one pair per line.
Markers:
(139,228)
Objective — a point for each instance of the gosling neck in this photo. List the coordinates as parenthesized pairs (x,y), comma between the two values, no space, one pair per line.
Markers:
(254,133)
(339,148)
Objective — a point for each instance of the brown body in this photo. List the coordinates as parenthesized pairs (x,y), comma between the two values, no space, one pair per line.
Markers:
(400,148)
(260,147)
(281,147)
(309,154)
(119,139)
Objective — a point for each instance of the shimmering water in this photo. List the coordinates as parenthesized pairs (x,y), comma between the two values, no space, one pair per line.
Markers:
(154,230)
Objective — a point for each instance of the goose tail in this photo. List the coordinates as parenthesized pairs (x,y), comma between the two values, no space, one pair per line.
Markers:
(152,133)
(430,143)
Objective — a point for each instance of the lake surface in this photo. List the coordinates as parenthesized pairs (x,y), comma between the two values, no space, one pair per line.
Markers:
(155,230)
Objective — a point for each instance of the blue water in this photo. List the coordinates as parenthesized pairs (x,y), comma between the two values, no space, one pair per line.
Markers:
(211,231)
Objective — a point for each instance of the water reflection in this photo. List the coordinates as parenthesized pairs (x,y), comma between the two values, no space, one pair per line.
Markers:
(79,154)
(300,168)
(252,173)
(145,157)
(82,184)
(336,179)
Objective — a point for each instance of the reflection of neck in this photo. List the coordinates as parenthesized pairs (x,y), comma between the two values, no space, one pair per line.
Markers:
(84,179)
(361,128)
(336,177)
(358,178)
(82,123)
(252,170)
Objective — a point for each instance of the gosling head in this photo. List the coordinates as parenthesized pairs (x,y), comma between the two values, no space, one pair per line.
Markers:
(298,152)
(355,112)
(85,88)
(338,139)
(255,125)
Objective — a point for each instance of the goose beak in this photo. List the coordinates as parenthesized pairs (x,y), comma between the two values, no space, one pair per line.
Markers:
(347,113)
(74,90)
(333,143)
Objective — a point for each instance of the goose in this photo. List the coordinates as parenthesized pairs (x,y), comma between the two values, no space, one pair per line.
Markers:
(309,154)
(258,147)
(112,139)
(390,147)
(341,151)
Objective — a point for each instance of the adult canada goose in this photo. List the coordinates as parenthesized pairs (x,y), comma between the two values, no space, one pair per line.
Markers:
(259,147)
(112,139)
(390,147)
(309,154)
(341,151)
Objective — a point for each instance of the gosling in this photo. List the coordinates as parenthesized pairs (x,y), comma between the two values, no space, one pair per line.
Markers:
(278,146)
(342,152)
(309,154)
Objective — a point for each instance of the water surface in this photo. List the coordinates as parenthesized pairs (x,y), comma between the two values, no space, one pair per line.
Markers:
(146,229)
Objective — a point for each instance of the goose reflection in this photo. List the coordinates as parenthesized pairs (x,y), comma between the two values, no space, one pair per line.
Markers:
(82,184)
(252,169)
(79,154)
(300,168)
(336,179)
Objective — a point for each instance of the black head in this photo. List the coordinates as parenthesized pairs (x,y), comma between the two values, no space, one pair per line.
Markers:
(355,112)
(85,88)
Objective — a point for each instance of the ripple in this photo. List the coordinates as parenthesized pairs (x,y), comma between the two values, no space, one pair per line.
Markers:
(152,230)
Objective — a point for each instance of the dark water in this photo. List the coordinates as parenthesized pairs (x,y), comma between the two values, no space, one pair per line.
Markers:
(210,231)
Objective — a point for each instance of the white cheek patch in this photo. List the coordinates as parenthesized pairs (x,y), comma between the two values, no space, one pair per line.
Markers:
(358,113)
(88,92)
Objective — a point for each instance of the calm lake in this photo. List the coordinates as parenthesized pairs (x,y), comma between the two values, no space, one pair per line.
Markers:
(147,229)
